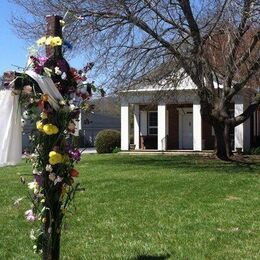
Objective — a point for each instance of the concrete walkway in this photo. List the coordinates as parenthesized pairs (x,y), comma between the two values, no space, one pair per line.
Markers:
(90,150)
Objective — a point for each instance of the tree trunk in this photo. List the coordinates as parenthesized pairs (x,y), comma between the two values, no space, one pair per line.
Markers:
(228,140)
(222,134)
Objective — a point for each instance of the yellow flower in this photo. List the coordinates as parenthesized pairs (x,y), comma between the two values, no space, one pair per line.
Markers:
(56,41)
(42,40)
(48,40)
(55,158)
(44,115)
(39,126)
(50,129)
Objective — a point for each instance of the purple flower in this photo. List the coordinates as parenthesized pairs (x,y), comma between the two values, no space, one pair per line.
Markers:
(39,179)
(75,154)
(30,216)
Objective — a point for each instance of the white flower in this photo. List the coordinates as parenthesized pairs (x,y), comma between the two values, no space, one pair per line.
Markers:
(17,202)
(26,115)
(57,180)
(32,235)
(48,168)
(22,122)
(36,172)
(72,107)
(52,176)
(57,71)
(63,75)
(31,185)
(62,102)
(34,155)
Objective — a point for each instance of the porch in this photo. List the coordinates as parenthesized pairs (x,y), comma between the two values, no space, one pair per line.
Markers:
(170,126)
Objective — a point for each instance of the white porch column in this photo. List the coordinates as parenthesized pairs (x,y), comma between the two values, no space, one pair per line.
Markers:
(197,127)
(242,131)
(162,127)
(136,126)
(124,126)
(239,130)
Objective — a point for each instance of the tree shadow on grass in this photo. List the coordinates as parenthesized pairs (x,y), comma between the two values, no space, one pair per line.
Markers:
(187,163)
(150,257)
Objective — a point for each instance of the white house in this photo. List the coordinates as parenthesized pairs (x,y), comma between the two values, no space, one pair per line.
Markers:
(168,118)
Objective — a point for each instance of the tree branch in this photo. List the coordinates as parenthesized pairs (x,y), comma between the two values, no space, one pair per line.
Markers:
(194,29)
(246,114)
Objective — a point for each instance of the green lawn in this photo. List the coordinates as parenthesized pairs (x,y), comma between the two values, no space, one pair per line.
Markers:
(134,207)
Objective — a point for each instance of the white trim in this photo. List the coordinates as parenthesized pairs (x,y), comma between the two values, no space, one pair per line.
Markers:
(136,127)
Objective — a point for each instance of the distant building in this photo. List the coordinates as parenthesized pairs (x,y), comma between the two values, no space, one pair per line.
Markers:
(106,116)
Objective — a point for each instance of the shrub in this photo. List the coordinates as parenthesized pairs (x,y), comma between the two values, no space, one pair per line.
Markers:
(116,150)
(107,141)
(255,151)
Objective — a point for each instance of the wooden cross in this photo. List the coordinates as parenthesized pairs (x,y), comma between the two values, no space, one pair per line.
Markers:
(54,28)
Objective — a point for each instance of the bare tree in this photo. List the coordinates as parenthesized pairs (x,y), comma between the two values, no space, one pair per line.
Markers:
(215,42)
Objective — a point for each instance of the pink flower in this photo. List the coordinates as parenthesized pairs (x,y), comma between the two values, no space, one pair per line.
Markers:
(30,216)
(38,63)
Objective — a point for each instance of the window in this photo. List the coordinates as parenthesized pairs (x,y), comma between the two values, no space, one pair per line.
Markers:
(152,123)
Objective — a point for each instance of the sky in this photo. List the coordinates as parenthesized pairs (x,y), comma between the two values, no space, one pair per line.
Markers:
(13,51)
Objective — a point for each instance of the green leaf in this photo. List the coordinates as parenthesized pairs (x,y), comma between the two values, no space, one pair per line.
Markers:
(47,72)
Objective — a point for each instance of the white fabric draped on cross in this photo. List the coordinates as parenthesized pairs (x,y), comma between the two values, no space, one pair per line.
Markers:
(10,129)
(48,87)
(10,119)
